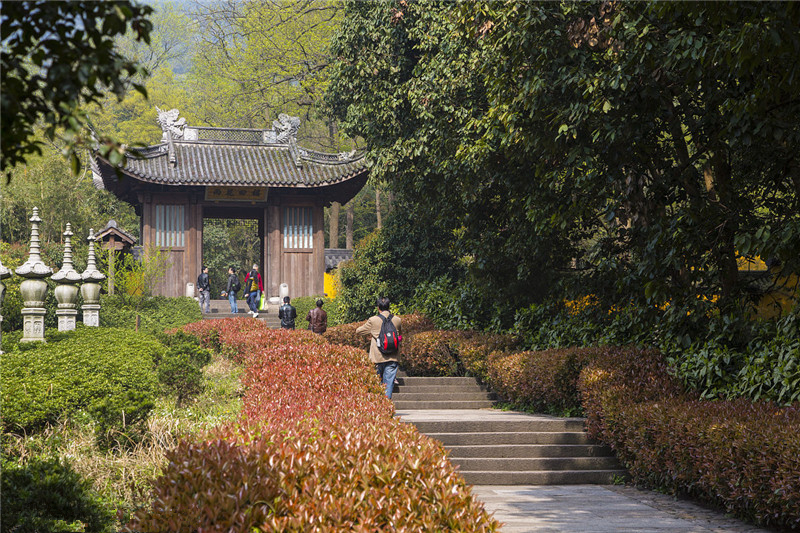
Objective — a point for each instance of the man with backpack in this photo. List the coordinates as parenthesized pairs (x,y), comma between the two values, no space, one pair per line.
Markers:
(384,349)
(233,287)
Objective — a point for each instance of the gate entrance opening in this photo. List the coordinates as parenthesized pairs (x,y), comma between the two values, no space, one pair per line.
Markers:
(230,243)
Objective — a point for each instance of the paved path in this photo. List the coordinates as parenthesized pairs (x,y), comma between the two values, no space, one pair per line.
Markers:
(583,508)
(600,509)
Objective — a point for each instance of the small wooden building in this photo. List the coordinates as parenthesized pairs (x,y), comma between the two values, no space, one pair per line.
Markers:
(197,173)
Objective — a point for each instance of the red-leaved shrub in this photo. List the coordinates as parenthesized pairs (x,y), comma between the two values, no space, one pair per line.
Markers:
(743,456)
(544,380)
(346,333)
(430,354)
(316,449)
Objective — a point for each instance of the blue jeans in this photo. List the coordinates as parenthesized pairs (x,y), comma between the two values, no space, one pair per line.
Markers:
(232,300)
(387,372)
(253,299)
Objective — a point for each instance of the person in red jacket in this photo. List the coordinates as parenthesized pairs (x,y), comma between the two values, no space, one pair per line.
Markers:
(253,287)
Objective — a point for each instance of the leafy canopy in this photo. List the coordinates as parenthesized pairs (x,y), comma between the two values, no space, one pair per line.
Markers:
(58,56)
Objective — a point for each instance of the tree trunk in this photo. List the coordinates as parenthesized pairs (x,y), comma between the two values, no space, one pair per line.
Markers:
(349,228)
(726,251)
(333,224)
(378,206)
(389,201)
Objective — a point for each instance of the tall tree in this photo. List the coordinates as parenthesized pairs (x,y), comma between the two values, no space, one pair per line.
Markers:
(57,57)
(652,142)
(259,58)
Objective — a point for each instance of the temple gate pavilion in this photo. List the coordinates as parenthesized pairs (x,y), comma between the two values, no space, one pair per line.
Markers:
(200,172)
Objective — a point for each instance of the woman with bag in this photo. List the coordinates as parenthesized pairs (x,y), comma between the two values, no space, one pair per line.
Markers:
(253,287)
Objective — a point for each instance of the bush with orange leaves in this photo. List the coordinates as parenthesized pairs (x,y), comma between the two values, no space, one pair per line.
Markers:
(741,455)
(316,449)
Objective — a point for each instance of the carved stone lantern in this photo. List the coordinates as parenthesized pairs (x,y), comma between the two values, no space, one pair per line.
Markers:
(67,280)
(34,288)
(90,290)
(4,273)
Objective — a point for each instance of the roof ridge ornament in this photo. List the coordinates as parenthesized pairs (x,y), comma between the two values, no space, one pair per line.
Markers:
(286,127)
(171,124)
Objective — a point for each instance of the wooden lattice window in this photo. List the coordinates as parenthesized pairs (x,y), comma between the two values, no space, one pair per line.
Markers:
(169,224)
(298,228)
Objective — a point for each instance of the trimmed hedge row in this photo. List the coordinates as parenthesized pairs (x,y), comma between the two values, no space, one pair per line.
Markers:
(345,334)
(316,449)
(107,372)
(743,456)
(545,381)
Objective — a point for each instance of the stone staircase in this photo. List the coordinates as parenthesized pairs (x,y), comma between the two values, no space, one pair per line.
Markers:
(222,309)
(493,447)
(441,393)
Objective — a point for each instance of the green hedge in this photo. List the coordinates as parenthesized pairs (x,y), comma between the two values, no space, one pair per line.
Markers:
(107,372)
(156,313)
(743,456)
(304,304)
(46,494)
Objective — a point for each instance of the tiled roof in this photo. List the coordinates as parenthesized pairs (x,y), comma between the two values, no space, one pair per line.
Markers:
(204,163)
(334,256)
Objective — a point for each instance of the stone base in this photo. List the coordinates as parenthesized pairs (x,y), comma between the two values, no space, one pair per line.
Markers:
(33,324)
(91,315)
(66,319)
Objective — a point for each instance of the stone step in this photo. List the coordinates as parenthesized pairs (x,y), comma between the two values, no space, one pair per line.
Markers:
(447,404)
(524,424)
(510,438)
(529,451)
(443,396)
(538,464)
(431,381)
(433,389)
(560,477)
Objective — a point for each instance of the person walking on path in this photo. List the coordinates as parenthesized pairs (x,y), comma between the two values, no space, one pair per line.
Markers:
(287,313)
(253,286)
(204,289)
(317,319)
(386,363)
(232,288)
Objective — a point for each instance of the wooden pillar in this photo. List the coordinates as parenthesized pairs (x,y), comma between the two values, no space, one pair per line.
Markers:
(318,261)
(274,249)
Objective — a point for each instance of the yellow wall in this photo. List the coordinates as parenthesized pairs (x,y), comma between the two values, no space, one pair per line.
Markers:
(330,284)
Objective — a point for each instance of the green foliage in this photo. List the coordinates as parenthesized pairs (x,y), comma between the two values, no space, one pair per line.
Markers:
(156,313)
(46,494)
(260,59)
(106,372)
(45,181)
(180,376)
(394,261)
(58,57)
(720,356)
(180,370)
(365,278)
(229,243)
(304,304)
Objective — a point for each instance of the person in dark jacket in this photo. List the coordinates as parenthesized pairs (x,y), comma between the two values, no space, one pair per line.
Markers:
(287,313)
(253,287)
(231,289)
(317,319)
(204,290)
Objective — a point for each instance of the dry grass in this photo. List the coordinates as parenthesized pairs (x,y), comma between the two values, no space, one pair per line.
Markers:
(124,474)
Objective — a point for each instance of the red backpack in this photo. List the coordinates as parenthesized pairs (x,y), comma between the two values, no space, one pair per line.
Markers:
(388,339)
